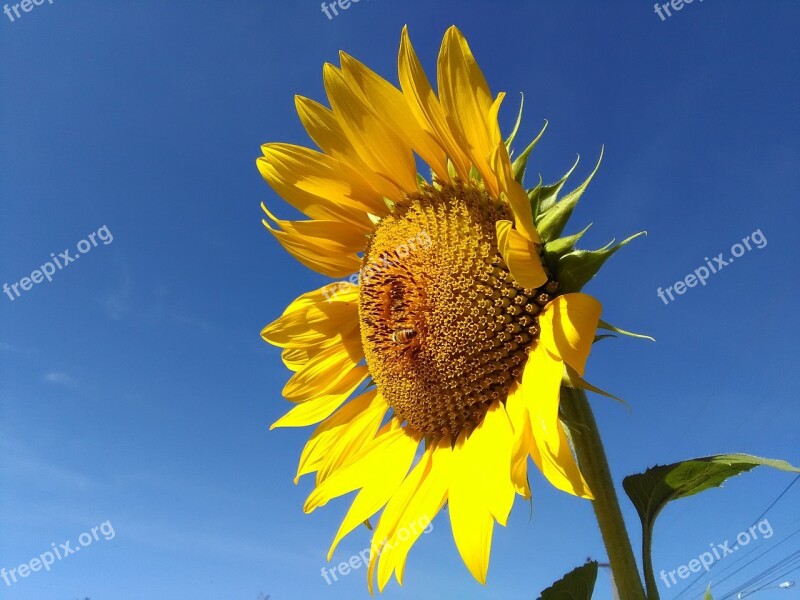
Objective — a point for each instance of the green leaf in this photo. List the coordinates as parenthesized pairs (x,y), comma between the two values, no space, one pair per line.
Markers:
(576,268)
(519,165)
(708,595)
(578,584)
(652,490)
(554,218)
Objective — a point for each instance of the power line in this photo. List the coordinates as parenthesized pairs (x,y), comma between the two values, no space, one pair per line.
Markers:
(795,480)
(697,579)
(791,563)
(781,576)
(729,566)
(754,559)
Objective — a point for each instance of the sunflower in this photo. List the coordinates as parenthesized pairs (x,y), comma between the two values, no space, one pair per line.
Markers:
(434,379)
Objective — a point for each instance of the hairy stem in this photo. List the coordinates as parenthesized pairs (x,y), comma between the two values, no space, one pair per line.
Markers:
(594,466)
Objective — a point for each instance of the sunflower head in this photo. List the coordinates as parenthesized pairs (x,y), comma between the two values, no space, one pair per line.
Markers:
(466,319)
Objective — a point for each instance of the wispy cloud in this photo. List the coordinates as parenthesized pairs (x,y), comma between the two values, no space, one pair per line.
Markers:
(117,304)
(16,351)
(58,378)
(23,466)
(173,538)
(155,308)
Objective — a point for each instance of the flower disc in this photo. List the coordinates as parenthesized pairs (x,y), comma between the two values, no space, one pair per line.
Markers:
(445,328)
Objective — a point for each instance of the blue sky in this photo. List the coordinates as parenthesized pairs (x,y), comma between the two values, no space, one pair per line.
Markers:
(134,386)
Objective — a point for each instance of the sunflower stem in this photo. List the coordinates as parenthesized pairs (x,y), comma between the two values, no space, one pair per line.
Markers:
(594,466)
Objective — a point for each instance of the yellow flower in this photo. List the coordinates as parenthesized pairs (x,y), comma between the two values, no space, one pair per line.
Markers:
(437,376)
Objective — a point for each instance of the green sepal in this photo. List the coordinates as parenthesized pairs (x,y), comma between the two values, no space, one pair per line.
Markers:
(554,250)
(554,219)
(533,198)
(543,197)
(603,336)
(521,162)
(573,380)
(474,174)
(513,135)
(451,169)
(576,268)
(609,327)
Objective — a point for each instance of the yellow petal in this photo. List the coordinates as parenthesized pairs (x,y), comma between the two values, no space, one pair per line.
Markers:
(323,127)
(381,483)
(467,101)
(514,193)
(326,371)
(336,232)
(351,440)
(415,513)
(315,410)
(375,143)
(521,256)
(316,319)
(393,513)
(420,511)
(426,106)
(540,388)
(392,108)
(320,186)
(488,449)
(472,530)
(518,415)
(569,323)
(481,489)
(363,413)
(295,358)
(392,446)
(318,252)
